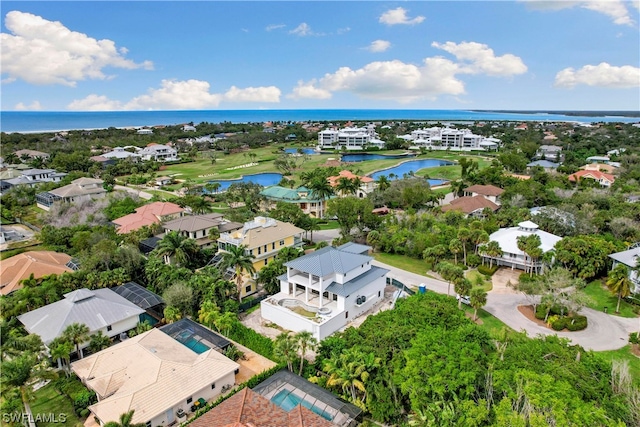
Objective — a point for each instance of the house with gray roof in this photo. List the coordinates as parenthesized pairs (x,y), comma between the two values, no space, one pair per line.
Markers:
(100,309)
(322,292)
(198,226)
(630,259)
(81,189)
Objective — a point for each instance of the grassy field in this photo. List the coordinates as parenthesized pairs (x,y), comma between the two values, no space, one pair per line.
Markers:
(49,401)
(478,279)
(602,297)
(625,353)
(203,170)
(416,266)
(330,225)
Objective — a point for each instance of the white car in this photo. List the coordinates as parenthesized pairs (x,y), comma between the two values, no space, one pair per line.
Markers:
(464,298)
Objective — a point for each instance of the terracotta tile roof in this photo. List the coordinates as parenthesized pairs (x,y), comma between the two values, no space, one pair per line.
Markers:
(248,408)
(484,190)
(149,214)
(39,263)
(333,180)
(469,204)
(592,174)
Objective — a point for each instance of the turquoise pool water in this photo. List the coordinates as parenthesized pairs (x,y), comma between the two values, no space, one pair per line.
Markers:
(196,346)
(264,179)
(288,401)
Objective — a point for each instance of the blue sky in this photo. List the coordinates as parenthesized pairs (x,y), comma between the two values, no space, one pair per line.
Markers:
(169,55)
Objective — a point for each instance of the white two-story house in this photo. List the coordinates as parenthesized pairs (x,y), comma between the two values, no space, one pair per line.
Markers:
(322,292)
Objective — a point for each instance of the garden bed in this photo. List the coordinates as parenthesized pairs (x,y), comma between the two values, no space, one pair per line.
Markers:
(528,312)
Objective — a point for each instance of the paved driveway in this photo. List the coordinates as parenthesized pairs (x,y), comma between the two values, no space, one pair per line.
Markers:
(605,332)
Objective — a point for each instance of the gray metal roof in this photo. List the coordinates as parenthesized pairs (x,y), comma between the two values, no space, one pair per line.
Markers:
(630,257)
(328,260)
(354,248)
(354,285)
(96,309)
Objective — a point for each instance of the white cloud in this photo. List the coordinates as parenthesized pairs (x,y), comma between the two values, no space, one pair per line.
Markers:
(615,9)
(602,75)
(344,30)
(95,103)
(379,46)
(309,91)
(34,106)
(46,52)
(481,59)
(399,16)
(253,94)
(178,95)
(302,30)
(274,27)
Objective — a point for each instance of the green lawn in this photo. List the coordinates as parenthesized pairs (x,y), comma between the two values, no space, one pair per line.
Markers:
(330,225)
(625,353)
(416,266)
(489,321)
(47,400)
(475,277)
(602,297)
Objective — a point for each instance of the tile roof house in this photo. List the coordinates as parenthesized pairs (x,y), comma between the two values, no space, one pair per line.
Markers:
(197,227)
(80,189)
(604,179)
(513,257)
(32,154)
(100,309)
(153,213)
(154,375)
(631,259)
(367,184)
(473,206)
(39,263)
(120,153)
(544,164)
(489,192)
(158,153)
(263,238)
(249,409)
(336,285)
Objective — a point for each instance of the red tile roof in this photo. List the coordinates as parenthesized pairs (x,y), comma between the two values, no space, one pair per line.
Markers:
(469,204)
(591,174)
(333,180)
(146,215)
(248,408)
(484,190)
(15,269)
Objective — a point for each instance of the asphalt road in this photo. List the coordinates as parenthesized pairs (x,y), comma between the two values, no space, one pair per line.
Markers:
(604,332)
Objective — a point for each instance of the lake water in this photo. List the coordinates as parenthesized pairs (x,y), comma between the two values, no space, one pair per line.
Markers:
(309,151)
(264,179)
(397,172)
(355,158)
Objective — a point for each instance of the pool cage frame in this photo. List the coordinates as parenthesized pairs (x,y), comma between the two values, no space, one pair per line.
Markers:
(186,329)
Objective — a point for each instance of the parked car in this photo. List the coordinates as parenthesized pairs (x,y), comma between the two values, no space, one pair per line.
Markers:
(465,299)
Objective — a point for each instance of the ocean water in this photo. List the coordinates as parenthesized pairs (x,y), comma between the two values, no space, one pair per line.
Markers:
(50,121)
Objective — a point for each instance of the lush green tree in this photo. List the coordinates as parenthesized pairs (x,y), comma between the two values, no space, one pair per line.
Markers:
(320,190)
(285,348)
(477,299)
(172,314)
(619,283)
(456,247)
(179,296)
(77,333)
(237,258)
(449,272)
(492,250)
(306,341)
(350,372)
(175,246)
(462,286)
(125,421)
(60,350)
(22,372)
(464,235)
(99,341)
(584,256)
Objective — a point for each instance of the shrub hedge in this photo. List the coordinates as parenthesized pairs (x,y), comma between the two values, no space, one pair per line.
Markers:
(483,269)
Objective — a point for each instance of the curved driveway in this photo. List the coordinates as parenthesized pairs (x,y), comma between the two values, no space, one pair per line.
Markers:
(605,332)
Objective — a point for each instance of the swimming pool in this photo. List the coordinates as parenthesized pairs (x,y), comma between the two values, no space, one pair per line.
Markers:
(196,345)
(309,151)
(264,179)
(287,401)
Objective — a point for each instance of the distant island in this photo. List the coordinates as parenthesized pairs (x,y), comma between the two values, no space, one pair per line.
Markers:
(593,113)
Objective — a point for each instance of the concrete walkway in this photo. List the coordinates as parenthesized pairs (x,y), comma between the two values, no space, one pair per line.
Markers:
(605,332)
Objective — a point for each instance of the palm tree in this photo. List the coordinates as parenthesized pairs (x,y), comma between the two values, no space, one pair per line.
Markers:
(462,286)
(521,241)
(492,250)
(479,237)
(619,283)
(346,186)
(456,247)
(125,421)
(320,190)
(174,245)
(24,371)
(306,340)
(208,313)
(99,341)
(77,333)
(383,182)
(236,257)
(477,300)
(350,371)
(61,349)
(464,235)
(172,314)
(450,273)
(225,322)
(284,348)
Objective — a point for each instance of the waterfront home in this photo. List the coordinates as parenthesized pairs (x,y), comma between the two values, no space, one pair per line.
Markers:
(438,138)
(349,138)
(19,267)
(263,238)
(159,378)
(630,259)
(198,227)
(513,257)
(323,291)
(80,190)
(100,309)
(301,196)
(366,184)
(158,153)
(153,213)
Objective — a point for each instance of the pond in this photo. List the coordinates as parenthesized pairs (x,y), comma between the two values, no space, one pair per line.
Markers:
(399,171)
(309,151)
(264,179)
(355,158)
